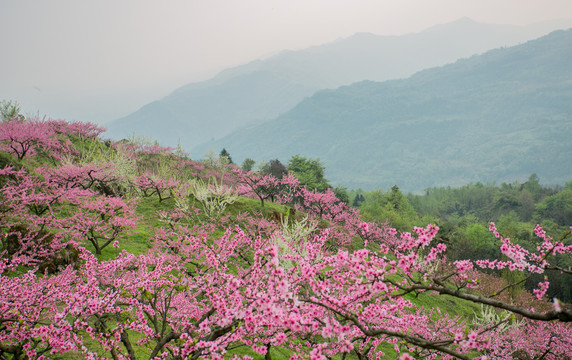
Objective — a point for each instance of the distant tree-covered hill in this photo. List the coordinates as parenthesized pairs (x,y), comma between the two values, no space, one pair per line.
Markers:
(264,89)
(499,116)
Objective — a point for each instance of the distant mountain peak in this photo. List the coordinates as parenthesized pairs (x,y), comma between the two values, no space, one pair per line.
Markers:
(362,35)
(463,22)
(263,89)
(466,20)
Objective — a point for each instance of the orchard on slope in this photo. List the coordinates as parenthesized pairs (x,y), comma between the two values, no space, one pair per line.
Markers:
(292,273)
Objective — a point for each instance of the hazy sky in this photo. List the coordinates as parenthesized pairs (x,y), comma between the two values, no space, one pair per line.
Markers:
(102,59)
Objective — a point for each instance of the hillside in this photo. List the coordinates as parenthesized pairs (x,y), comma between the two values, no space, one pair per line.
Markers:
(264,89)
(499,116)
(123,250)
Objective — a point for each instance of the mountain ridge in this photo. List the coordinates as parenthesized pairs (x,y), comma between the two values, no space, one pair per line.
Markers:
(488,117)
(263,89)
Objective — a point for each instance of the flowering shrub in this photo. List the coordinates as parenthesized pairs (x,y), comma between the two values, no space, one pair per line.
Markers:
(26,138)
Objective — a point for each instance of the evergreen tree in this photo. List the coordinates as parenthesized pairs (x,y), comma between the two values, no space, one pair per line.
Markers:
(395,197)
(10,110)
(225,154)
(358,199)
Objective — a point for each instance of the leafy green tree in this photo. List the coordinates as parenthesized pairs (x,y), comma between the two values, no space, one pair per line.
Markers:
(526,209)
(557,207)
(532,185)
(392,207)
(506,201)
(310,172)
(481,243)
(569,185)
(342,194)
(248,164)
